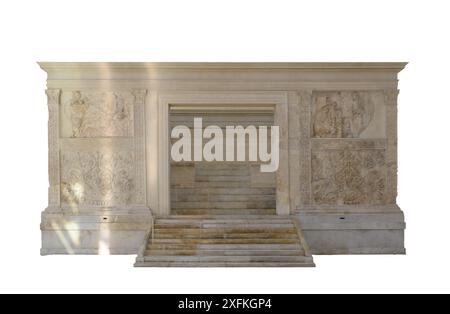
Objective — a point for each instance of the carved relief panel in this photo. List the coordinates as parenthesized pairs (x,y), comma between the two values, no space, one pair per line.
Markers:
(346,177)
(348,114)
(97,178)
(97,114)
(102,151)
(348,158)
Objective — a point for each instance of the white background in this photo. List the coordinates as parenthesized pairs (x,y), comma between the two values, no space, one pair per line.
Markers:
(230,30)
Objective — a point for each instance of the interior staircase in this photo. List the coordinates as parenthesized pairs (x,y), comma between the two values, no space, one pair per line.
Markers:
(225,241)
(223,189)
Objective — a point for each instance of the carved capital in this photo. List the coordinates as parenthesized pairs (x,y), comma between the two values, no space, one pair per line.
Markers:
(139,95)
(53,96)
(305,95)
(391,96)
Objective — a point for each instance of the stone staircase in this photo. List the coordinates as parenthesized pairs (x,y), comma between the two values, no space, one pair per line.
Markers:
(223,189)
(225,241)
(223,215)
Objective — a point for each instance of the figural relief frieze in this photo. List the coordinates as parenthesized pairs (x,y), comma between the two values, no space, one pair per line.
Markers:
(344,114)
(98,114)
(97,178)
(346,177)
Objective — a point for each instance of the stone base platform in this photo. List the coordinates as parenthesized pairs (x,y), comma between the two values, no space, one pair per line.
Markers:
(98,233)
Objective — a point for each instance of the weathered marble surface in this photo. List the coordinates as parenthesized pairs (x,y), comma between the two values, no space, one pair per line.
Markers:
(108,137)
(345,177)
(97,178)
(349,114)
(97,114)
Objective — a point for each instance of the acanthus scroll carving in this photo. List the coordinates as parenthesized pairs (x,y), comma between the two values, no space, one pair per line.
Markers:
(345,177)
(97,178)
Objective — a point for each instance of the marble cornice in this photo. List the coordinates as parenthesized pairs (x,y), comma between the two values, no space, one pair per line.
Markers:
(221,71)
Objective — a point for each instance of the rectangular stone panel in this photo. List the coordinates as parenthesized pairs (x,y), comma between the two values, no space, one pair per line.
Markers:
(349,177)
(348,114)
(97,178)
(94,114)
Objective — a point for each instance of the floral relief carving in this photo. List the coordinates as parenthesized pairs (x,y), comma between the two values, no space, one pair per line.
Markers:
(342,114)
(107,114)
(345,177)
(53,101)
(97,178)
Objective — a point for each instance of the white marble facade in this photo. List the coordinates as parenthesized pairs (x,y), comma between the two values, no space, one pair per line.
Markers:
(109,165)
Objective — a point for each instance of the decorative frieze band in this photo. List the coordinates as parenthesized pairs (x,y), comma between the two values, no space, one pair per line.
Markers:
(305,146)
(139,145)
(53,102)
(391,96)
(294,148)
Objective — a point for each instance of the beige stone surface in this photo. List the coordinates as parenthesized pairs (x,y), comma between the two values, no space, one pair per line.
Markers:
(109,150)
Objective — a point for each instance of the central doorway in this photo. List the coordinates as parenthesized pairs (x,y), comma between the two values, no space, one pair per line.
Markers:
(221,188)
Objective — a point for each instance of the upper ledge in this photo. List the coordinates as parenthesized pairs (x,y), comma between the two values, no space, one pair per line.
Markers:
(310,66)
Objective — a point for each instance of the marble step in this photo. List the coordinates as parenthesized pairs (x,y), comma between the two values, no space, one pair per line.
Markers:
(239,178)
(224,241)
(225,259)
(215,212)
(224,191)
(218,172)
(255,119)
(222,184)
(225,231)
(225,225)
(224,219)
(155,252)
(224,205)
(221,166)
(223,198)
(227,247)
(305,263)
(219,235)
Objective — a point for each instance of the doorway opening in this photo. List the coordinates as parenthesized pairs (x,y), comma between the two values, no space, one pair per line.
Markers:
(221,188)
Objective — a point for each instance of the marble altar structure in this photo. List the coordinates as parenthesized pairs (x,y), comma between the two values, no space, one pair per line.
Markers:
(113,188)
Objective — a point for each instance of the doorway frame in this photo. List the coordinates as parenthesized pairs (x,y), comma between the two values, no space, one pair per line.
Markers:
(158,146)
